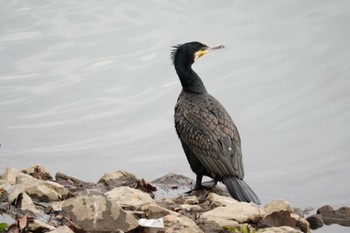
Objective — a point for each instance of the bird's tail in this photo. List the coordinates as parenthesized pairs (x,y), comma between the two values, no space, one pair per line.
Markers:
(240,190)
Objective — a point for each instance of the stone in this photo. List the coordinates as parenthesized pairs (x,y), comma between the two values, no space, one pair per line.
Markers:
(330,216)
(216,200)
(117,179)
(26,180)
(39,226)
(37,171)
(191,200)
(47,191)
(315,221)
(27,205)
(14,191)
(302,223)
(278,205)
(93,211)
(62,229)
(153,211)
(10,174)
(282,229)
(129,198)
(191,208)
(180,224)
(241,212)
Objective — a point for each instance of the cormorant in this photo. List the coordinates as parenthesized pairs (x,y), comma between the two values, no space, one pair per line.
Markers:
(208,135)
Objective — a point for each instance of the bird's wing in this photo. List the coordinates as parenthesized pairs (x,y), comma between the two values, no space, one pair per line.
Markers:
(208,130)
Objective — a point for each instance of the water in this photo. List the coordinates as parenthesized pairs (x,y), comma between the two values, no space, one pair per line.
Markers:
(88,87)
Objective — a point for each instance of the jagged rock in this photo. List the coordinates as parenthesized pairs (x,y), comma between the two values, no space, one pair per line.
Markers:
(93,211)
(155,211)
(191,200)
(37,171)
(302,223)
(178,224)
(216,200)
(277,205)
(28,205)
(10,174)
(240,212)
(129,198)
(330,216)
(192,208)
(39,226)
(282,229)
(117,179)
(55,206)
(62,229)
(315,221)
(47,191)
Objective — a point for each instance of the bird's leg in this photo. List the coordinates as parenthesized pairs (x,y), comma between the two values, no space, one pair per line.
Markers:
(198,184)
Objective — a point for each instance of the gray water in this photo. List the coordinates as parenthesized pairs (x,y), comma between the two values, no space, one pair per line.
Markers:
(87,87)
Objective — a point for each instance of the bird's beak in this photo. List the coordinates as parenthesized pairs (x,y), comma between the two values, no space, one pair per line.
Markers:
(208,49)
(215,48)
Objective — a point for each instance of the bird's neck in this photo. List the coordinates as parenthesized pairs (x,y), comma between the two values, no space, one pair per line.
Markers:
(190,80)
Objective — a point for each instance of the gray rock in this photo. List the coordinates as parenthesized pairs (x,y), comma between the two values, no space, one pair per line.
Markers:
(62,229)
(10,174)
(240,212)
(282,229)
(117,179)
(179,224)
(93,211)
(47,191)
(277,205)
(330,216)
(216,200)
(130,198)
(302,223)
(39,226)
(27,205)
(315,221)
(38,171)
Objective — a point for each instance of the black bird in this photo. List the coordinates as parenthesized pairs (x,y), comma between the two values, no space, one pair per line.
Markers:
(208,135)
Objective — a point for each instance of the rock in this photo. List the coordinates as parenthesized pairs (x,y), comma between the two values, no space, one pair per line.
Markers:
(191,208)
(277,205)
(191,200)
(216,200)
(117,179)
(26,180)
(27,205)
(39,226)
(172,185)
(330,216)
(179,224)
(277,219)
(129,198)
(282,229)
(315,221)
(63,229)
(47,191)
(155,211)
(241,212)
(302,223)
(14,191)
(10,174)
(37,171)
(93,211)
(217,226)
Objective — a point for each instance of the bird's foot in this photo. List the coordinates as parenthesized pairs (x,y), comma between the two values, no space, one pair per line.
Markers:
(208,185)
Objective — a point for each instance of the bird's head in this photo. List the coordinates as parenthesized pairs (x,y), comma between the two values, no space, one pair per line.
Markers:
(191,51)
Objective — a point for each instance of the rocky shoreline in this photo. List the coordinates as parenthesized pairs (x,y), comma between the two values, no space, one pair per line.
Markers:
(119,202)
